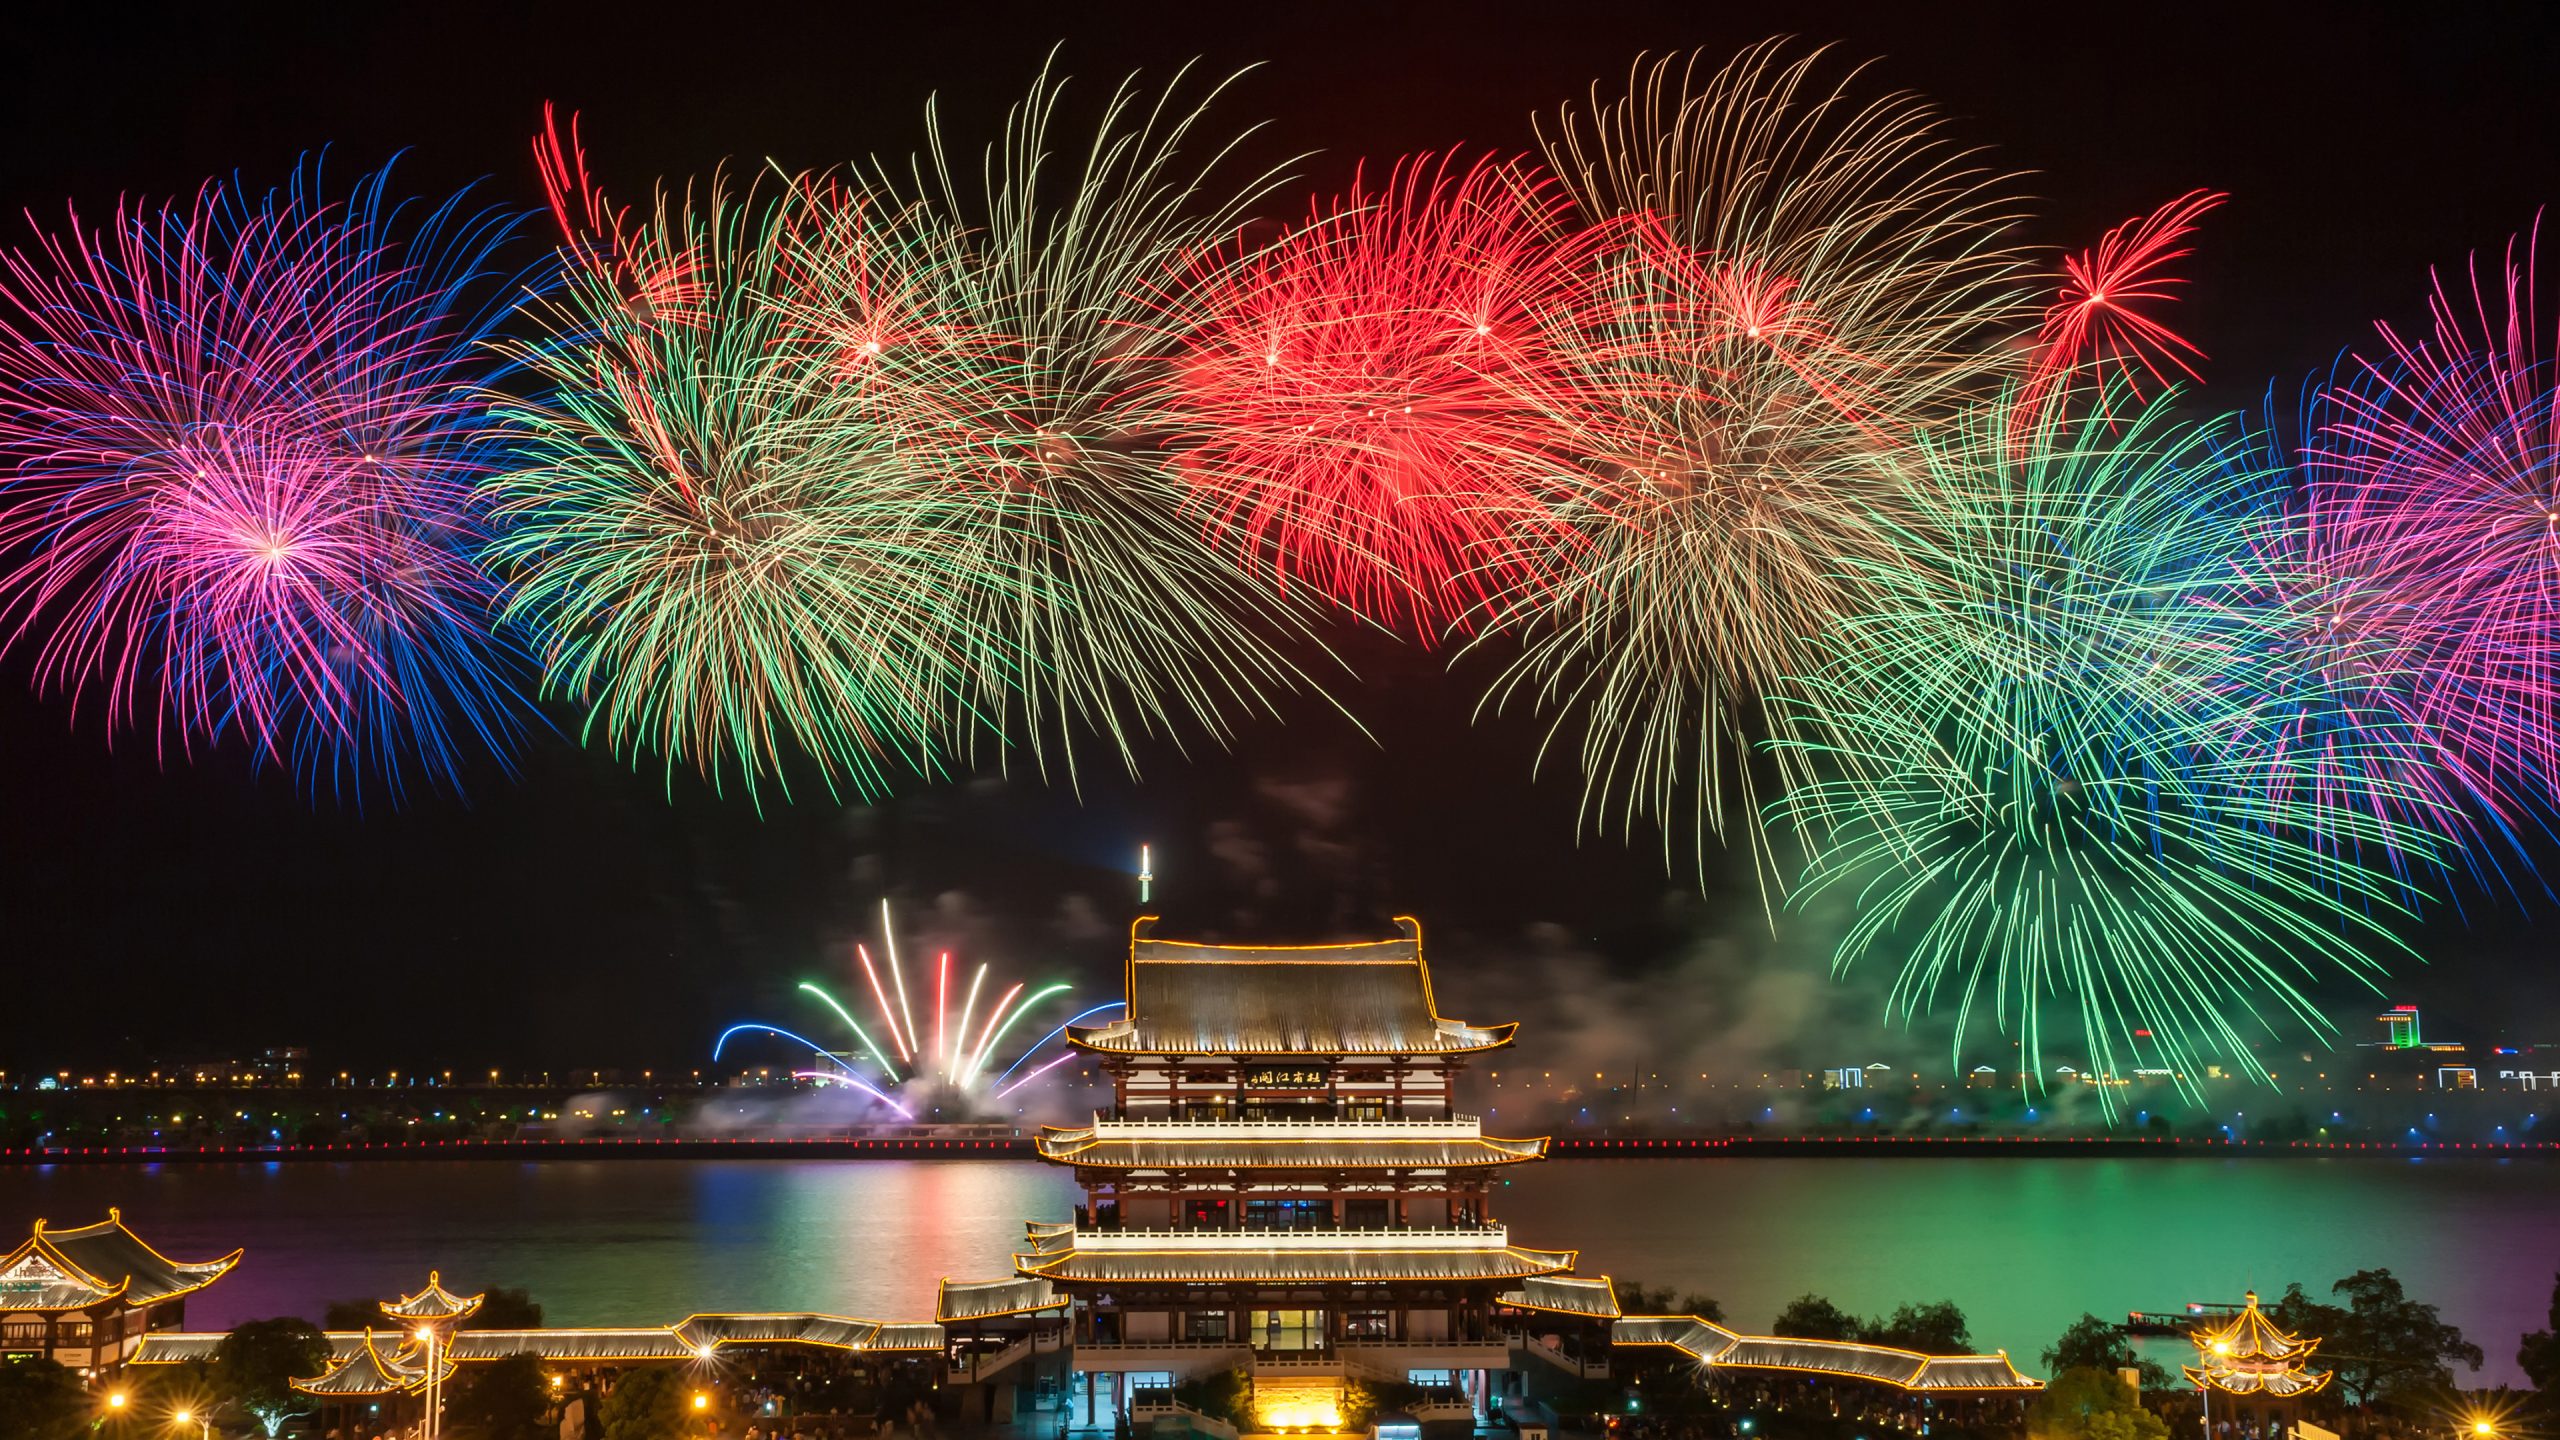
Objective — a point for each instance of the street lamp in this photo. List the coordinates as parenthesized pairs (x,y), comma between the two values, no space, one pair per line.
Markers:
(203,1423)
(435,1384)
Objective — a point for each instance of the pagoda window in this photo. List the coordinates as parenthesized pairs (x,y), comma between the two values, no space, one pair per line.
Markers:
(73,1332)
(1365,1213)
(1205,1325)
(1106,1215)
(1364,1325)
(1209,1211)
(1288,1214)
(1364,1110)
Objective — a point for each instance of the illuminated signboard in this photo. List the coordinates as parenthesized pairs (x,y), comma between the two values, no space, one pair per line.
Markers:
(1284,1077)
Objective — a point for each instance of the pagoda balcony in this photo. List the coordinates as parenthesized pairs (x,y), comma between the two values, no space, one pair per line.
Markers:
(1326,1127)
(1439,1237)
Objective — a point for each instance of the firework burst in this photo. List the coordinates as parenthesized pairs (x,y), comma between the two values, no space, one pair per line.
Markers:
(735,516)
(1114,619)
(1805,282)
(2101,330)
(2067,773)
(917,1049)
(1352,409)
(2436,485)
(242,435)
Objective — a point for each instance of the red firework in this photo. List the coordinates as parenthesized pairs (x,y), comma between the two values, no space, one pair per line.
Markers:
(1351,392)
(2100,325)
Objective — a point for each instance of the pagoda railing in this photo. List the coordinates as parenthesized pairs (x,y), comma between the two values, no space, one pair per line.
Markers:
(1327,1122)
(1441,1237)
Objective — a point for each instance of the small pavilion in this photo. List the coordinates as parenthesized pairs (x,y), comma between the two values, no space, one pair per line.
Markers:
(2252,1372)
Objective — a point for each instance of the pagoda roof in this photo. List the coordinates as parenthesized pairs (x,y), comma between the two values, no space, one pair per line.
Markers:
(1565,1295)
(56,1270)
(1714,1345)
(1065,1254)
(2250,1354)
(433,1303)
(692,1338)
(367,1371)
(988,1299)
(1281,1145)
(1370,997)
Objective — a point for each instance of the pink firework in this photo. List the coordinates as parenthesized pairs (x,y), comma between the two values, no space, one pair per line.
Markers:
(239,439)
(1352,389)
(2103,326)
(2436,482)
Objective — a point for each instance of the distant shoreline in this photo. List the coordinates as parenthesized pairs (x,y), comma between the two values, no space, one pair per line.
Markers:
(1020,1148)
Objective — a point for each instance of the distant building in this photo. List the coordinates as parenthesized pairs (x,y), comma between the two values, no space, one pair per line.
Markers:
(2457,1077)
(1847,1077)
(85,1298)
(1982,1077)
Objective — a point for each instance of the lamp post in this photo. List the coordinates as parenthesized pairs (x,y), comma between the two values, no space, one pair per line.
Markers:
(435,1384)
(2205,1389)
(203,1423)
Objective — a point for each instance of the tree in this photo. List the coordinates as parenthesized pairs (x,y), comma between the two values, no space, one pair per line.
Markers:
(504,1401)
(1637,1298)
(505,1309)
(256,1364)
(2392,1349)
(2095,1344)
(646,1405)
(353,1315)
(1934,1329)
(1810,1317)
(2539,1354)
(2087,1403)
(42,1400)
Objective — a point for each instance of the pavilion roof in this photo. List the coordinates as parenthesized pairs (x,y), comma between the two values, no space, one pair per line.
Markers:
(54,1270)
(433,1303)
(1565,1295)
(2251,1355)
(1365,998)
(1714,1345)
(688,1339)
(1280,1146)
(367,1371)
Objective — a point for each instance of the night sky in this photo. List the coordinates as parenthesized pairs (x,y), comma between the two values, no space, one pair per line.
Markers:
(583,914)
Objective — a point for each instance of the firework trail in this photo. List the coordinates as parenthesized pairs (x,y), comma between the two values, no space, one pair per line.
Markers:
(2435,476)
(1113,619)
(1805,282)
(2100,330)
(1351,409)
(241,435)
(960,1057)
(722,515)
(2068,776)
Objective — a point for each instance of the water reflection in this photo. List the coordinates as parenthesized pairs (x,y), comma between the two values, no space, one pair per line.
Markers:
(2024,1246)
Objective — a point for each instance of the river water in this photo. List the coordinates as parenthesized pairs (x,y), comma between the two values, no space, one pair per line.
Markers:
(2023,1245)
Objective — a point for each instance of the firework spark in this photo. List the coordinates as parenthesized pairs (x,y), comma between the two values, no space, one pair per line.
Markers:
(2100,331)
(2069,779)
(242,435)
(2436,482)
(956,1063)
(1805,282)
(1352,416)
(741,553)
(1114,619)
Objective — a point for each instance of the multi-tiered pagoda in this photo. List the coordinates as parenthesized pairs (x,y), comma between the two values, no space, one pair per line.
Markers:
(2253,1372)
(1283,1181)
